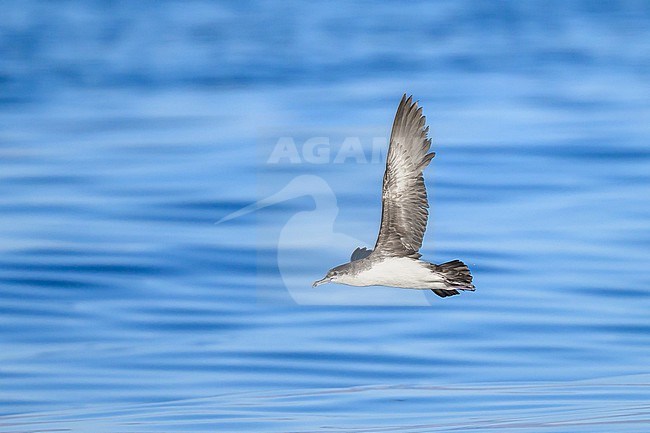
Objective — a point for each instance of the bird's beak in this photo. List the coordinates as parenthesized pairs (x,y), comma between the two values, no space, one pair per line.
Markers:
(323,281)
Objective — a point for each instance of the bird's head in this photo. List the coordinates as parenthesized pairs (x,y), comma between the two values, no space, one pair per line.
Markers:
(334,275)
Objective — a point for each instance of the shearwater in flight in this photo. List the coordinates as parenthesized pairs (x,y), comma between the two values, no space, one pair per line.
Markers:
(395,260)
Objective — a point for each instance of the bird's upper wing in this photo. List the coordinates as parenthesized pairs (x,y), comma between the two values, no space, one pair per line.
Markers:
(404,210)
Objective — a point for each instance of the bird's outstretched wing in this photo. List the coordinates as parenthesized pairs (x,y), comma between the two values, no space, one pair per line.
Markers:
(404,210)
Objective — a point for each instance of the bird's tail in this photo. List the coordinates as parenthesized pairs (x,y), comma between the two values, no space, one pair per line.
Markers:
(456,275)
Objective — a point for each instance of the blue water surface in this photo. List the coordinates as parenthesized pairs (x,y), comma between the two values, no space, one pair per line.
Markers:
(129,129)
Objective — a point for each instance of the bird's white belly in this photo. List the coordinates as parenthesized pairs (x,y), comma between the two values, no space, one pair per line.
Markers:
(399,272)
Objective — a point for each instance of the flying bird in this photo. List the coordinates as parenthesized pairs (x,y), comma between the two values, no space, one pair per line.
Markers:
(395,260)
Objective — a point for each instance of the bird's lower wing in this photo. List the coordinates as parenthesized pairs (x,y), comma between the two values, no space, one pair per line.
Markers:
(360,253)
